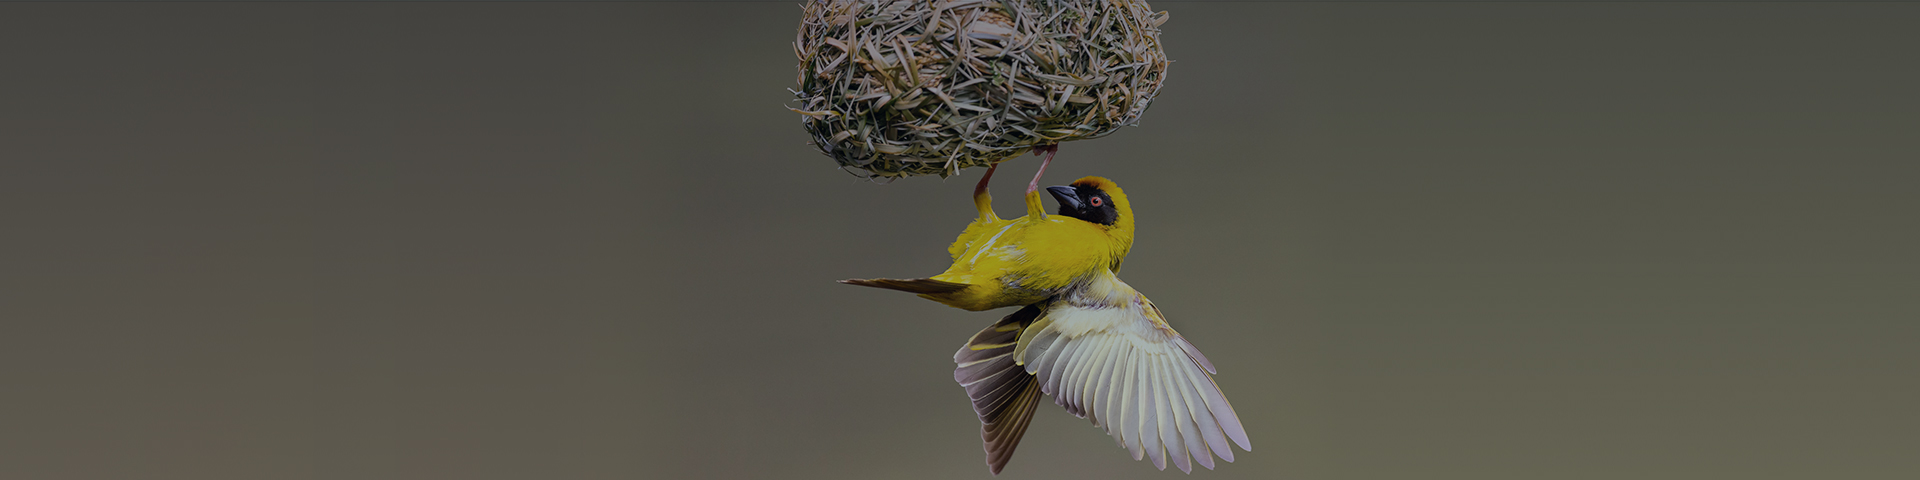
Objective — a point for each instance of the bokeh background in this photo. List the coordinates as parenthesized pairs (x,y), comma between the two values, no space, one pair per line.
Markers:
(586,240)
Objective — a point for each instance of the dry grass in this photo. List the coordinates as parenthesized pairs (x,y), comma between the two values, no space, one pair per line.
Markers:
(892,88)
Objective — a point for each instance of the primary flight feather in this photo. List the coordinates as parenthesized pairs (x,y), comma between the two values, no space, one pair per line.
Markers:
(1099,347)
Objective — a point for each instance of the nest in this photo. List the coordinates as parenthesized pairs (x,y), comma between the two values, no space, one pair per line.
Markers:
(894,88)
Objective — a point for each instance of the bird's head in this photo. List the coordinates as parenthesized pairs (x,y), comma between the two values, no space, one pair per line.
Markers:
(1096,200)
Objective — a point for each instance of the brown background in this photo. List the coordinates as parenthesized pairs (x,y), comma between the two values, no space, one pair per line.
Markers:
(585,240)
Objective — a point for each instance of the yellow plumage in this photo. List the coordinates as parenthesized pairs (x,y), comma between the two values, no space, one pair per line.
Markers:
(1002,263)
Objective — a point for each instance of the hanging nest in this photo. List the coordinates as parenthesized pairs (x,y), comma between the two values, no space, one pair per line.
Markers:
(892,88)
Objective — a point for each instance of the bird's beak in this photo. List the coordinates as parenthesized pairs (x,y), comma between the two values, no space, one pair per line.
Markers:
(1065,195)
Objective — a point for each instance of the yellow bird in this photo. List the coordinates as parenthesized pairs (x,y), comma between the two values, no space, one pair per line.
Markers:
(1004,263)
(1100,348)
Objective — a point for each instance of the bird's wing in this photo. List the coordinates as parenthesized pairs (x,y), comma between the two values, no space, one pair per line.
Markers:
(1003,394)
(976,233)
(1106,354)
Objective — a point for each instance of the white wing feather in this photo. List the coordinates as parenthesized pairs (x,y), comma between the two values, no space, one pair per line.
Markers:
(1106,354)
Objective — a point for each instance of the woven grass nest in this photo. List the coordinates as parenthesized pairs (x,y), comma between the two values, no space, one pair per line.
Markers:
(892,88)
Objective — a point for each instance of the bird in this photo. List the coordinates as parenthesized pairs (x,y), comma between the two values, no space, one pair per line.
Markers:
(1011,262)
(1099,347)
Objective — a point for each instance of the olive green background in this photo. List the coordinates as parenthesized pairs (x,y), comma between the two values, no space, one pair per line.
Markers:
(586,240)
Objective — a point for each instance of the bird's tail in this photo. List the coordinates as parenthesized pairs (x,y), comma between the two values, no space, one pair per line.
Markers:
(1003,393)
(923,286)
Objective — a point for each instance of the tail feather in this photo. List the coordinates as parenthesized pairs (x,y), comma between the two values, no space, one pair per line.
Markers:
(923,286)
(1003,394)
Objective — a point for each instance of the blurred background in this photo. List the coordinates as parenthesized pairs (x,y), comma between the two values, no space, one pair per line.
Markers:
(587,240)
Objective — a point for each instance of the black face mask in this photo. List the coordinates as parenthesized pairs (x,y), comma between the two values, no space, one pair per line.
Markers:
(1085,202)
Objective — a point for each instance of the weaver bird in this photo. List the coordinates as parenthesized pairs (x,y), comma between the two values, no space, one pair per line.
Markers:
(1100,348)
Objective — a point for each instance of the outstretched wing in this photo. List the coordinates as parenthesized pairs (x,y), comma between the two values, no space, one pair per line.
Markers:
(1106,354)
(1003,394)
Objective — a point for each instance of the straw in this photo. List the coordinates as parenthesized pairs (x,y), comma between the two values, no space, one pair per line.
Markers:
(893,88)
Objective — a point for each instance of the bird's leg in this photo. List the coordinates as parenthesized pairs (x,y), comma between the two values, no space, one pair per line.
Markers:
(983,201)
(1036,209)
(1047,152)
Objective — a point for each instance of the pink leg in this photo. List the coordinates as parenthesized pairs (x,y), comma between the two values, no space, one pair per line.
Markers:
(982,187)
(1047,151)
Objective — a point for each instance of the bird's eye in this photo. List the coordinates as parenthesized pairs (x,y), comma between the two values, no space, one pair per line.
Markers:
(1095,201)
